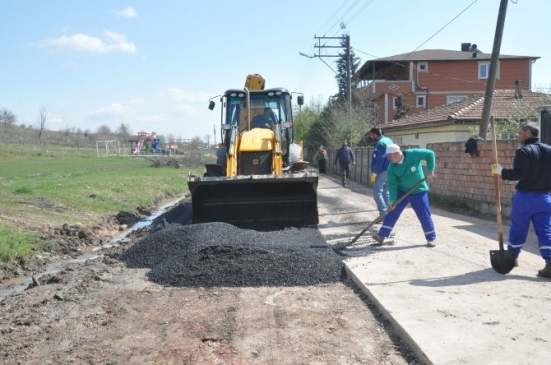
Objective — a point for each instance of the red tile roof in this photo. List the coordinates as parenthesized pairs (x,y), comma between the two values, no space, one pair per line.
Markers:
(443,55)
(504,106)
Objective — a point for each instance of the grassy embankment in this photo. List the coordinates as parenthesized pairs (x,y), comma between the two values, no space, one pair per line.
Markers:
(60,185)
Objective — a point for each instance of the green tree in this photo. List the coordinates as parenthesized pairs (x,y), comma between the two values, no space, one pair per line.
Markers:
(303,122)
(342,73)
(401,107)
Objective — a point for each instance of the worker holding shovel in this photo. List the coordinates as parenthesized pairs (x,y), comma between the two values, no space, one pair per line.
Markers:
(532,199)
(404,173)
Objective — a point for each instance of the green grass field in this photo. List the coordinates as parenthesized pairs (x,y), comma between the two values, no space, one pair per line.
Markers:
(75,182)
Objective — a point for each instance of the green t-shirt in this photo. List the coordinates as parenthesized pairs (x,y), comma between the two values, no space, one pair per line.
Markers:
(409,172)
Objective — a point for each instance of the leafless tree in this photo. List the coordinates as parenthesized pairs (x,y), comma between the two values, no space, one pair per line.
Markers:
(170,138)
(104,130)
(7,117)
(41,124)
(123,131)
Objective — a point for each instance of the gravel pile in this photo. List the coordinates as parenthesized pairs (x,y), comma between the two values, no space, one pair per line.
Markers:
(220,254)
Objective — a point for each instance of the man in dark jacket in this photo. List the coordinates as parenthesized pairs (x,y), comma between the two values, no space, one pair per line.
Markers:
(532,199)
(344,157)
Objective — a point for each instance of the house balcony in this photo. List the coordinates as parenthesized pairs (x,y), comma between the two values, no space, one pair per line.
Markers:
(376,88)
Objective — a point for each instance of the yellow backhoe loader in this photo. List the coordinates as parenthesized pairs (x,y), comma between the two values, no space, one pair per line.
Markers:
(264,178)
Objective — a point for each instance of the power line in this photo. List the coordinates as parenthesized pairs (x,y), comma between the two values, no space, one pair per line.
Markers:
(432,36)
(439,30)
(346,12)
(308,70)
(332,16)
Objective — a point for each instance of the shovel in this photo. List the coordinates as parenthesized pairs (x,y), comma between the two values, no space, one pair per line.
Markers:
(502,261)
(382,215)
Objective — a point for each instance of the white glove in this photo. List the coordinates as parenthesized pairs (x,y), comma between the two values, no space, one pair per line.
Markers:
(496,169)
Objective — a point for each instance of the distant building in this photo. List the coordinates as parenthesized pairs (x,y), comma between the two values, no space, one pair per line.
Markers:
(415,82)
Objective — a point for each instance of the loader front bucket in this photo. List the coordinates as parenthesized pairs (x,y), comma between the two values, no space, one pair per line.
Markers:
(289,199)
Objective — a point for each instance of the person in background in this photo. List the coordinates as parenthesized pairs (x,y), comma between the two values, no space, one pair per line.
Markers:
(344,157)
(404,172)
(321,157)
(532,198)
(263,120)
(379,165)
(174,148)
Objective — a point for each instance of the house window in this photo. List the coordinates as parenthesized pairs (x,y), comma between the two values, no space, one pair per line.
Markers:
(484,70)
(455,98)
(395,103)
(421,101)
(423,67)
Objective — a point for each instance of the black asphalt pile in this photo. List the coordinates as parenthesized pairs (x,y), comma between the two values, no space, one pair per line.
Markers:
(220,254)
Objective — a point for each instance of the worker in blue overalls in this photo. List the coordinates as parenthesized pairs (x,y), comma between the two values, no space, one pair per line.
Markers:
(532,199)
(404,172)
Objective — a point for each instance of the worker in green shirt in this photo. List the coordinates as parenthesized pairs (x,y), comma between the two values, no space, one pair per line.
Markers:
(404,172)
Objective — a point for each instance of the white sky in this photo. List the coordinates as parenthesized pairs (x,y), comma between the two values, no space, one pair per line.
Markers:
(154,64)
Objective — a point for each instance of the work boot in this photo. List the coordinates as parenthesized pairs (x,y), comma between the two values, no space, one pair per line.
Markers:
(516,262)
(545,272)
(431,243)
(379,239)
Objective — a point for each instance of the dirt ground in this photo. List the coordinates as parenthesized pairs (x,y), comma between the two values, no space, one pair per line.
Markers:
(101,312)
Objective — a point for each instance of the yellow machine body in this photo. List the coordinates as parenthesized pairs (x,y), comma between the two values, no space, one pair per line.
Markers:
(265,178)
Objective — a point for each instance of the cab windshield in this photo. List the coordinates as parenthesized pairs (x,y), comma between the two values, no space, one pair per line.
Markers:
(237,111)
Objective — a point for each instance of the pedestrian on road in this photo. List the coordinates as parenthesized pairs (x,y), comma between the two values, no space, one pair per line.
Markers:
(321,157)
(532,198)
(404,172)
(379,165)
(344,157)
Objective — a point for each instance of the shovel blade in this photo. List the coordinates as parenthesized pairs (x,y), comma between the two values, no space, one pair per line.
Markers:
(503,261)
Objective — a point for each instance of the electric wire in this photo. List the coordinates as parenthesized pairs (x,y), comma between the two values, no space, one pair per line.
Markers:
(308,71)
(432,36)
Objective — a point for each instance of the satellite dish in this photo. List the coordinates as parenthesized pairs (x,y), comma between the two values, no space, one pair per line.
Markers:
(473,47)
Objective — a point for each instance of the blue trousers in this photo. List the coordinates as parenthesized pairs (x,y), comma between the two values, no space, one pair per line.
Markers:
(420,204)
(531,207)
(380,192)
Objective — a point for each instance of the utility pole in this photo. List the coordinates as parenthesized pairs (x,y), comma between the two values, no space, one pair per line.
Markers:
(493,70)
(214,131)
(349,67)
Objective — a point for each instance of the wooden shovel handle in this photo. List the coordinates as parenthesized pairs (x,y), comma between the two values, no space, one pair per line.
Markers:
(382,215)
(497,179)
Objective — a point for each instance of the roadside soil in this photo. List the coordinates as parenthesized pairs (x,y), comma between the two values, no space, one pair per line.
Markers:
(101,312)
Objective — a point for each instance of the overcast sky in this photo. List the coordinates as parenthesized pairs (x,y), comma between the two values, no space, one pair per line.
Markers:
(154,64)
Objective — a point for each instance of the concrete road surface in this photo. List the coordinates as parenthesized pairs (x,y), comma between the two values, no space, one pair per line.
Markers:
(447,302)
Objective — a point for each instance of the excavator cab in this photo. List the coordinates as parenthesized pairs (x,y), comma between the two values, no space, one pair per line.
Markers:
(266,179)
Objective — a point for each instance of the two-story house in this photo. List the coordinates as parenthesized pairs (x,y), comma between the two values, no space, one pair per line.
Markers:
(415,82)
